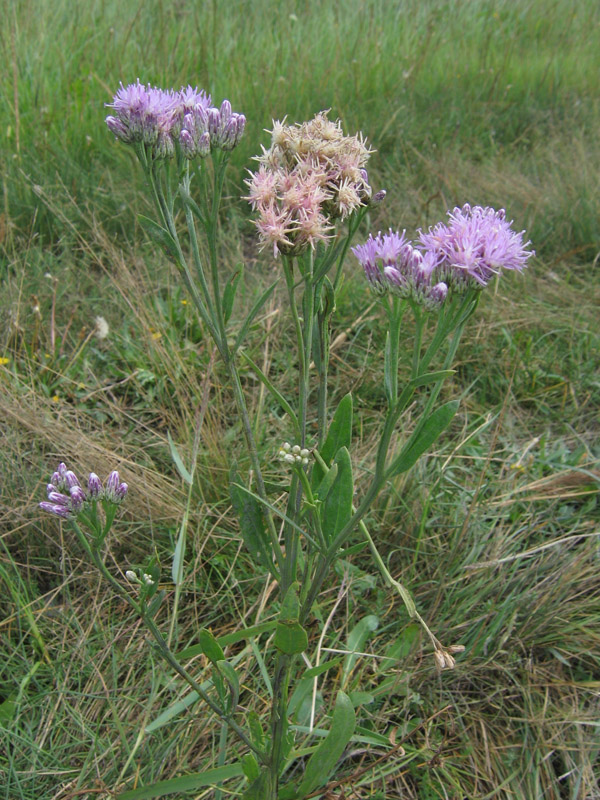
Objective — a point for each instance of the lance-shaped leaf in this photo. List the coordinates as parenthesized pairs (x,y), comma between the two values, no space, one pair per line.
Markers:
(186,783)
(337,507)
(210,646)
(339,435)
(423,437)
(160,235)
(232,680)
(252,525)
(230,291)
(323,761)
(290,637)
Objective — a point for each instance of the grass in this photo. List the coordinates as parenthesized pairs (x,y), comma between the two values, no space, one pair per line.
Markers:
(496,531)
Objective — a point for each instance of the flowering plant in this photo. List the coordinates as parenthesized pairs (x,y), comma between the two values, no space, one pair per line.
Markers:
(311,192)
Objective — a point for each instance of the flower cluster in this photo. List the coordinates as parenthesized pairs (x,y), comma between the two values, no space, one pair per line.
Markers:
(163,119)
(311,175)
(476,244)
(391,263)
(293,455)
(66,496)
(145,579)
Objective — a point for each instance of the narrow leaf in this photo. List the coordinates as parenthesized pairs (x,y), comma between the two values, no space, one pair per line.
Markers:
(177,566)
(423,437)
(337,507)
(210,646)
(432,377)
(177,460)
(252,526)
(323,761)
(321,668)
(160,235)
(186,783)
(233,682)
(229,638)
(339,435)
(230,291)
(356,642)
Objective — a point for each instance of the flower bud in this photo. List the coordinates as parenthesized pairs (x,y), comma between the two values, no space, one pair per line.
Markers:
(78,499)
(131,576)
(71,479)
(59,499)
(296,449)
(57,510)
(204,145)
(94,486)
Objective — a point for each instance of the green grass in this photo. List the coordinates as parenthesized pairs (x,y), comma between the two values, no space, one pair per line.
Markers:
(496,531)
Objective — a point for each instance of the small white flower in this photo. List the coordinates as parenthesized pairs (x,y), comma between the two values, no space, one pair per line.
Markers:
(148,579)
(131,576)
(304,452)
(102,328)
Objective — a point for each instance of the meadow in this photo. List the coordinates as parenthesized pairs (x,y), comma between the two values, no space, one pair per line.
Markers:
(495,530)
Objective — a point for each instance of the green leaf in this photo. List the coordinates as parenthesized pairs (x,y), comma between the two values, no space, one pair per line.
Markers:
(323,761)
(252,314)
(356,642)
(423,437)
(177,566)
(252,526)
(230,638)
(259,788)
(326,665)
(177,460)
(361,698)
(210,646)
(160,235)
(339,435)
(290,637)
(337,507)
(432,377)
(256,730)
(230,291)
(324,487)
(233,682)
(186,783)
(250,767)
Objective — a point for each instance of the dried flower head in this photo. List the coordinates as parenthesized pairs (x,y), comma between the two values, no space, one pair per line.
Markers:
(311,175)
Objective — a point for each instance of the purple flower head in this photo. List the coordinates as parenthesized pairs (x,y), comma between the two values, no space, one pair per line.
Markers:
(476,244)
(192,98)
(78,499)
(115,491)
(367,255)
(71,479)
(59,499)
(391,263)
(57,510)
(95,486)
(145,114)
